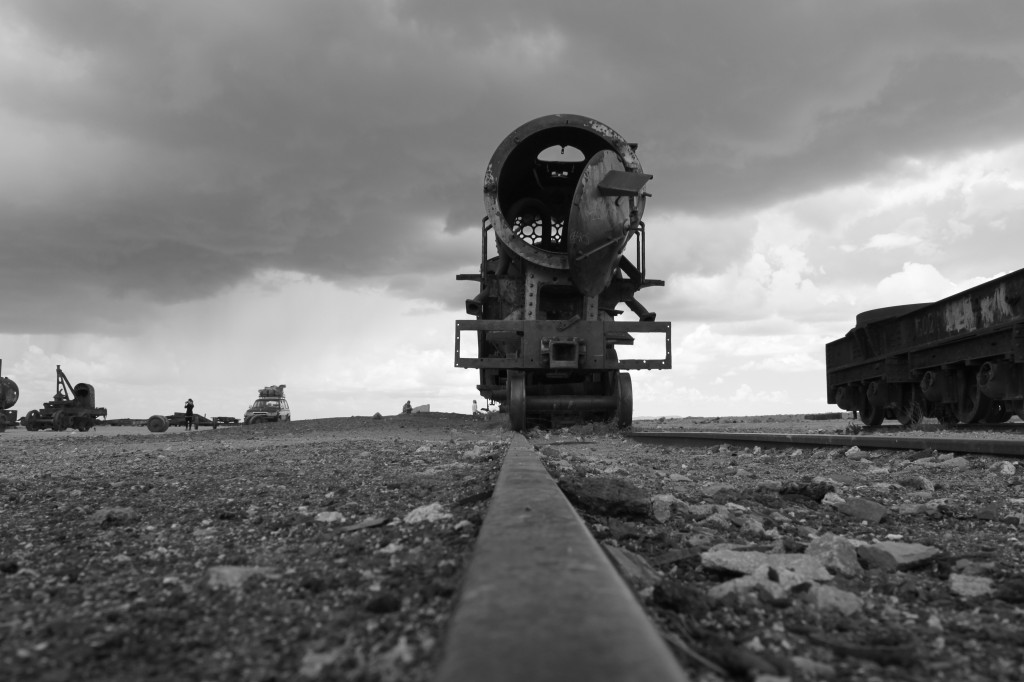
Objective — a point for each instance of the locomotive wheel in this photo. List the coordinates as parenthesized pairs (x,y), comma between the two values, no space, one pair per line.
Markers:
(30,419)
(972,405)
(623,400)
(871,415)
(81,423)
(61,421)
(517,400)
(910,413)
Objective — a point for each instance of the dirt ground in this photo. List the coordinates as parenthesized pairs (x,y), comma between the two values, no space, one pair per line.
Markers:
(333,549)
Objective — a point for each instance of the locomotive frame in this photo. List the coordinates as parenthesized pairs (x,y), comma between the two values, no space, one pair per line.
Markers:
(960,359)
(545,327)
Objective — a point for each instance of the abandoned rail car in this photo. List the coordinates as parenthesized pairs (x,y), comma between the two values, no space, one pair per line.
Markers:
(960,359)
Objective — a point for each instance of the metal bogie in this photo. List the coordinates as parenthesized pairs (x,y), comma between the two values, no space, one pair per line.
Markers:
(960,359)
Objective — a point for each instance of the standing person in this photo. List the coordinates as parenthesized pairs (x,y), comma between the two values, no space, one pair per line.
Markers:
(188,414)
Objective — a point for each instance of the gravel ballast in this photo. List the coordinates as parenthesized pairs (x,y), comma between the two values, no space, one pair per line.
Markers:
(322,549)
(334,549)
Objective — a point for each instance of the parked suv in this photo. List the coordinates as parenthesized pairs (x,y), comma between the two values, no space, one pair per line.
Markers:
(271,406)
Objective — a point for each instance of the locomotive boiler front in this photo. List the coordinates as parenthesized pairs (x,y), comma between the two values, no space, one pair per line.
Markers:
(565,192)
(564,196)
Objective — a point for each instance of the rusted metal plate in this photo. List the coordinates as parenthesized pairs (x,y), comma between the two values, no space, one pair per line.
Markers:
(598,226)
(541,601)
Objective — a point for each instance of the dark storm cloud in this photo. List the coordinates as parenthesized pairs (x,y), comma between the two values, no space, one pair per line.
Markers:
(348,140)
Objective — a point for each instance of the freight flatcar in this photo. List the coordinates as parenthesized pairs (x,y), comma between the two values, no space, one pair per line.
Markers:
(960,360)
(564,195)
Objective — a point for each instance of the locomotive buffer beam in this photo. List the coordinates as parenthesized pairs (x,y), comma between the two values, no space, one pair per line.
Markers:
(545,345)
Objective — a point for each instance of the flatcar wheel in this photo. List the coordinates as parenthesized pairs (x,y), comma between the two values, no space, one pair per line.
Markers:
(997,414)
(871,415)
(910,413)
(623,400)
(517,400)
(972,405)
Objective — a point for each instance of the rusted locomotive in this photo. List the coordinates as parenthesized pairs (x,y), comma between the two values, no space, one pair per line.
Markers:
(564,196)
(8,399)
(960,359)
(71,407)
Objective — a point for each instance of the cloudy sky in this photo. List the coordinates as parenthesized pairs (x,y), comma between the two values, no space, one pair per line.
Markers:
(200,198)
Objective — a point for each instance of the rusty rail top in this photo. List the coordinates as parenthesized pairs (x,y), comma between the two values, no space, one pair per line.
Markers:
(541,601)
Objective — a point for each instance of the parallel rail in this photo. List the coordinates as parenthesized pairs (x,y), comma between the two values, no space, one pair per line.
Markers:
(541,601)
(980,446)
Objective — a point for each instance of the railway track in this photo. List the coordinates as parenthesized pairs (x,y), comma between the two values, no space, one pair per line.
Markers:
(541,601)
(1002,447)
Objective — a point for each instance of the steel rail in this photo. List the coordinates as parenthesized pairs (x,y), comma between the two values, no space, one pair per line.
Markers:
(541,601)
(1000,447)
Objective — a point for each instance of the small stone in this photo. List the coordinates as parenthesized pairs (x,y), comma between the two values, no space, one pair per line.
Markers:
(1011,590)
(114,516)
(828,598)
(607,495)
(632,567)
(896,555)
(1007,469)
(916,482)
(369,522)
(329,516)
(864,509)
(234,577)
(384,602)
(815,491)
(807,568)
(989,512)
(661,507)
(313,662)
(836,553)
(679,596)
(813,670)
(969,586)
(759,581)
(932,509)
(832,500)
(427,513)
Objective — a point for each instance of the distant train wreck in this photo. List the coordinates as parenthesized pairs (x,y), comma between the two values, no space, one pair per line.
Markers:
(959,360)
(564,196)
